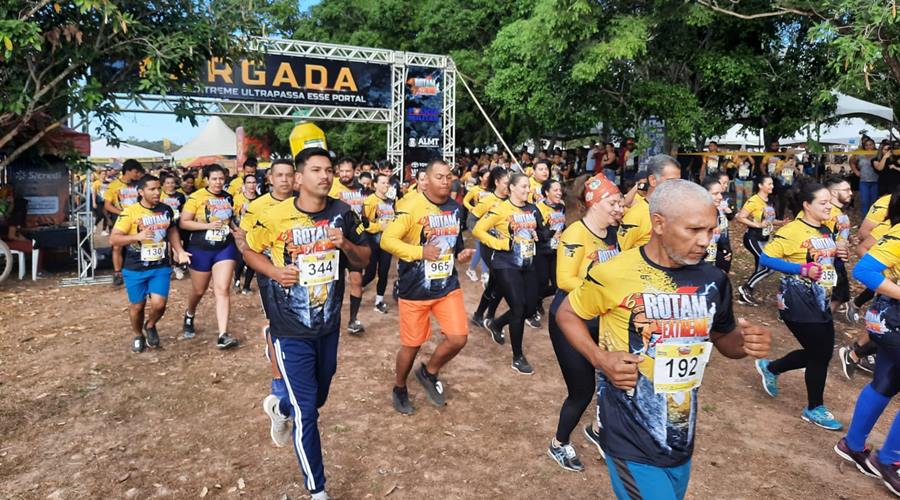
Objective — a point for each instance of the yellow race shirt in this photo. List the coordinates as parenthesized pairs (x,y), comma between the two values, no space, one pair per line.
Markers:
(209,207)
(882,317)
(799,299)
(418,223)
(236,186)
(241,204)
(152,253)
(351,195)
(578,250)
(535,187)
(379,212)
(473,195)
(485,203)
(760,210)
(878,211)
(512,232)
(175,201)
(553,218)
(312,307)
(256,208)
(634,231)
(121,195)
(666,315)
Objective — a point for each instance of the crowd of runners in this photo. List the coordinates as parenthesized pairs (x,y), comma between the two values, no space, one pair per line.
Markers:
(638,284)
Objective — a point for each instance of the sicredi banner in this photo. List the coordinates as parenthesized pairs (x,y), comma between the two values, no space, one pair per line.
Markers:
(299,80)
(422,116)
(45,187)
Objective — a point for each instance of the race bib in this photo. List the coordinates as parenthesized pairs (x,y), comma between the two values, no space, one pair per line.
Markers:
(679,367)
(319,268)
(711,251)
(744,172)
(829,277)
(767,230)
(153,252)
(712,165)
(788,175)
(217,235)
(773,162)
(527,249)
(554,242)
(439,269)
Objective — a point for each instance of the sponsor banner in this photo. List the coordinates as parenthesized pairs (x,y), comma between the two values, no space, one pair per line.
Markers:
(299,80)
(45,187)
(422,116)
(653,129)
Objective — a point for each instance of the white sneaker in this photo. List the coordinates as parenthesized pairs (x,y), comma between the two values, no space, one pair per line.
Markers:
(280,430)
(472,274)
(104,232)
(179,273)
(321,495)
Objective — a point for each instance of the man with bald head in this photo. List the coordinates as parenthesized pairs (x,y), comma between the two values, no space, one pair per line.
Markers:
(634,231)
(663,310)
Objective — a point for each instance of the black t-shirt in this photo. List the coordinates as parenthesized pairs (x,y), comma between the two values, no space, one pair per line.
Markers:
(889,177)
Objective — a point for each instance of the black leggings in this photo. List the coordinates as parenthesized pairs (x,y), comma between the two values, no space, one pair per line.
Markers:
(580,377)
(817,340)
(490,299)
(517,287)
(755,247)
(379,266)
(246,271)
(863,297)
(545,271)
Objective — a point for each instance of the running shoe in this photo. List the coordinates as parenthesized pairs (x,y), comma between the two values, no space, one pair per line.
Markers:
(381,307)
(138,344)
(246,291)
(867,364)
(188,327)
(104,233)
(473,276)
(226,341)
(852,313)
(477,320)
(564,455)
(857,457)
(594,438)
(433,387)
(152,336)
(534,321)
(769,379)
(496,333)
(889,473)
(745,296)
(319,495)
(237,284)
(179,272)
(822,417)
(117,279)
(355,327)
(848,366)
(521,365)
(280,429)
(400,398)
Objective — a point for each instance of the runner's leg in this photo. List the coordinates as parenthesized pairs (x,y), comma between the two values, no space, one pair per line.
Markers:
(512,288)
(817,340)
(222,272)
(580,377)
(875,396)
(450,313)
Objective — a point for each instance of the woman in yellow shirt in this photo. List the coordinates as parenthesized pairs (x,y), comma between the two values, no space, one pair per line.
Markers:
(584,243)
(474,194)
(758,214)
(511,229)
(498,191)
(245,195)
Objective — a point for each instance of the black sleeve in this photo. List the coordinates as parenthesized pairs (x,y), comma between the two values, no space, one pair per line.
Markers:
(543,231)
(724,322)
(353,228)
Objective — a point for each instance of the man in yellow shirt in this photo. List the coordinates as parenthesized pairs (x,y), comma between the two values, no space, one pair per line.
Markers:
(634,231)
(344,187)
(122,193)
(238,182)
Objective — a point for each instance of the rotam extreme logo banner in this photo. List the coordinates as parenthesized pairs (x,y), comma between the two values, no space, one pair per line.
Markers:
(422,116)
(299,80)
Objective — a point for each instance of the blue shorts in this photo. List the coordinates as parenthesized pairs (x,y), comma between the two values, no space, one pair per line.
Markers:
(203,260)
(139,284)
(636,480)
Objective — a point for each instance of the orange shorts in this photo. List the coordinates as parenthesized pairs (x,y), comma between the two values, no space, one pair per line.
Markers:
(415,323)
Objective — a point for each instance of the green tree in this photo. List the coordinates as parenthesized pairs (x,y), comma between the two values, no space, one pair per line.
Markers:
(71,58)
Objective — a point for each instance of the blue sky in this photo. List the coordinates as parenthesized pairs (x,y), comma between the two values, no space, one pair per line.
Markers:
(153,127)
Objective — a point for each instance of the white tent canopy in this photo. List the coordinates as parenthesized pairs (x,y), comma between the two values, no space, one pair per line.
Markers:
(851,106)
(846,132)
(216,139)
(738,135)
(103,152)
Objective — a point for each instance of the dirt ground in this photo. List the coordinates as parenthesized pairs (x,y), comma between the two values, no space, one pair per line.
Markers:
(83,417)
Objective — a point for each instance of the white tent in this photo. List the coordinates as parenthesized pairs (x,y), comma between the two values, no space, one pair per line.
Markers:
(739,136)
(216,139)
(851,106)
(103,152)
(846,132)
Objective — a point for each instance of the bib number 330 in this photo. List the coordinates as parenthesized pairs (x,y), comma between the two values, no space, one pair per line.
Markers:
(679,367)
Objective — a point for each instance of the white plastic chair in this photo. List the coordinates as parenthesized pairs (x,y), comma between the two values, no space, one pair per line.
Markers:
(21,262)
